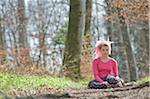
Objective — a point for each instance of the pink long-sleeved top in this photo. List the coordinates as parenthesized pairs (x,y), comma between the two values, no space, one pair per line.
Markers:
(102,69)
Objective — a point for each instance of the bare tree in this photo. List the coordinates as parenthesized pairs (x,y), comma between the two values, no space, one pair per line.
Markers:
(46,17)
(130,55)
(139,33)
(133,16)
(114,34)
(86,57)
(11,25)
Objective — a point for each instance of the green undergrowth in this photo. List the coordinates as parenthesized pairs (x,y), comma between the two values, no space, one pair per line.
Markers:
(26,82)
(144,79)
(13,81)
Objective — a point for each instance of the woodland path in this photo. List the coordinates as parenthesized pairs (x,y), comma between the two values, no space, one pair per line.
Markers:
(137,92)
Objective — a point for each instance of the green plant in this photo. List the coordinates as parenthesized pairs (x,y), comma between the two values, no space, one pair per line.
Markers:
(26,82)
(59,38)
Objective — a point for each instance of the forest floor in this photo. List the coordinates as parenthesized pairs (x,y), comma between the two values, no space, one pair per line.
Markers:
(141,91)
(137,92)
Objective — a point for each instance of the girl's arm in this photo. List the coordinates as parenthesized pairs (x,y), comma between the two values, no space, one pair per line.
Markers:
(95,71)
(115,69)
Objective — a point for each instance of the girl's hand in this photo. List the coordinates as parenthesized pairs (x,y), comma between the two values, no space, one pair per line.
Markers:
(120,84)
(120,81)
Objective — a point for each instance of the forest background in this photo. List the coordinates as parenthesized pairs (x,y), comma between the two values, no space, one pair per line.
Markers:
(45,36)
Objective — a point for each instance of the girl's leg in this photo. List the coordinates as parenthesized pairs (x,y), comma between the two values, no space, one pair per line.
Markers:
(96,85)
(115,82)
(111,80)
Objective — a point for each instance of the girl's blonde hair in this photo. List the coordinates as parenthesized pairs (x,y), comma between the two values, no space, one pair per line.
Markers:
(101,43)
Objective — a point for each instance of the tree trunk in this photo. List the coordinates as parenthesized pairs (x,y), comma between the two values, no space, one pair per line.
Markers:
(73,44)
(130,56)
(141,44)
(86,58)
(22,24)
(2,49)
(118,51)
(149,31)
(23,51)
(1,35)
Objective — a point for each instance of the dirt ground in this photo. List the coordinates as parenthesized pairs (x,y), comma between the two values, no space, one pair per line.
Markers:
(140,93)
(136,92)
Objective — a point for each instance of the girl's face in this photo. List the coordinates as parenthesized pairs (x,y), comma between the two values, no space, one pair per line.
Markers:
(104,51)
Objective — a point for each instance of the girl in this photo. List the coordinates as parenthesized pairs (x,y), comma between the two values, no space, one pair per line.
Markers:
(105,70)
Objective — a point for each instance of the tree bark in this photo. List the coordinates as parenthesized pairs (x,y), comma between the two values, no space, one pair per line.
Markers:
(73,44)
(149,31)
(22,24)
(1,35)
(23,48)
